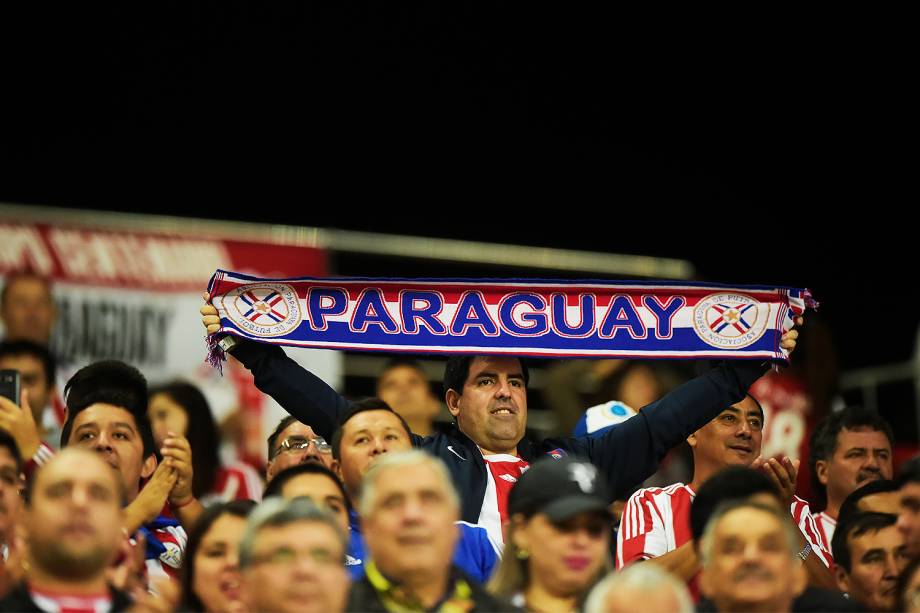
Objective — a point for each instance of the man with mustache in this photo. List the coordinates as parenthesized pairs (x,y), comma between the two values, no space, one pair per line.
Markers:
(486,452)
(848,449)
(748,556)
(870,553)
(655,524)
(742,483)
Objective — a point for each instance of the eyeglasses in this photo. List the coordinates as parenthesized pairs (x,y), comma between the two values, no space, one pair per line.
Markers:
(298,443)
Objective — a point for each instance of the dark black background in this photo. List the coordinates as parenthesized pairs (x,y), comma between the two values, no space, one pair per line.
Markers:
(762,148)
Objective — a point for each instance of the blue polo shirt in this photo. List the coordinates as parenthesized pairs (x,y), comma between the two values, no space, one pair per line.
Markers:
(475,554)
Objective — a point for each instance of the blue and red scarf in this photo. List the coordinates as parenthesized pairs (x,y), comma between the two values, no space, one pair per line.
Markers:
(558,319)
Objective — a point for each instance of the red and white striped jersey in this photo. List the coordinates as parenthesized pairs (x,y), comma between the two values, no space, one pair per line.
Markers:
(657,520)
(55,602)
(802,517)
(826,526)
(234,481)
(504,471)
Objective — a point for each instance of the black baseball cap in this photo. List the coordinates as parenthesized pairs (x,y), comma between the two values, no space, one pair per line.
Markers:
(560,489)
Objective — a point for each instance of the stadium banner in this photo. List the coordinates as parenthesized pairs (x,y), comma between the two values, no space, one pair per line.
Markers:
(558,319)
(133,294)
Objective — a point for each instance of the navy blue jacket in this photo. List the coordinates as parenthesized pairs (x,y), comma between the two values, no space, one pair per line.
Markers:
(626,455)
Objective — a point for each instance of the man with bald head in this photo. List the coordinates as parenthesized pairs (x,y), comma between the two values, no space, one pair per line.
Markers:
(73,519)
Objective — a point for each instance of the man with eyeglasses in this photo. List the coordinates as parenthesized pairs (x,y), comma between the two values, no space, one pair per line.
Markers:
(292,558)
(293,443)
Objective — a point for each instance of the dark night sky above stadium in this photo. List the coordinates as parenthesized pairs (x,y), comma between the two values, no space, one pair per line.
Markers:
(759,156)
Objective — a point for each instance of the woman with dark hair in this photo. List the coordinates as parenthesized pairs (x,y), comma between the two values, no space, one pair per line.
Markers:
(181,408)
(556,538)
(210,571)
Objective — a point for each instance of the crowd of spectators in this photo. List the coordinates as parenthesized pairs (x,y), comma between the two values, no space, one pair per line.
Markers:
(114,495)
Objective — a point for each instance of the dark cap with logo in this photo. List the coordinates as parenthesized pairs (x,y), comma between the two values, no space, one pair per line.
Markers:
(560,489)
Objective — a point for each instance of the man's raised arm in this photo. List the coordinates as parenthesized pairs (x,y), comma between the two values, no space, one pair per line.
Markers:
(299,392)
(630,452)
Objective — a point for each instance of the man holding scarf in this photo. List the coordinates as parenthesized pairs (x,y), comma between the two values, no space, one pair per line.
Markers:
(486,452)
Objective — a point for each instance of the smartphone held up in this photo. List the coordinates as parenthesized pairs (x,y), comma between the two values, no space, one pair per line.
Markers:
(10,385)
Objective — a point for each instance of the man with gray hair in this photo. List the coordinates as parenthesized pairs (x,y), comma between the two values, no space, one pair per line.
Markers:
(292,558)
(656,589)
(408,508)
(748,554)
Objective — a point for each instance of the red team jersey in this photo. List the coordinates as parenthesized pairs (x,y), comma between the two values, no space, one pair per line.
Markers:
(234,481)
(656,520)
(826,525)
(55,602)
(504,471)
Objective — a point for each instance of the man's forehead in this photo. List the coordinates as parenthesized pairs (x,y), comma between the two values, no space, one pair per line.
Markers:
(888,537)
(297,533)
(880,502)
(79,468)
(862,436)
(749,522)
(102,415)
(315,483)
(297,428)
(28,285)
(766,499)
(401,372)
(408,479)
(373,419)
(495,364)
(22,362)
(748,406)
